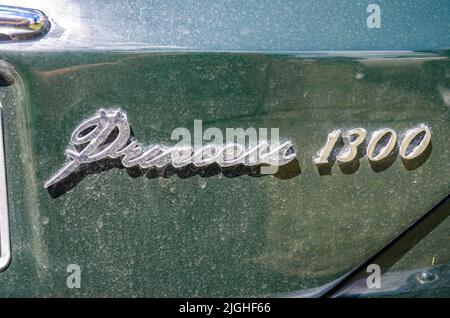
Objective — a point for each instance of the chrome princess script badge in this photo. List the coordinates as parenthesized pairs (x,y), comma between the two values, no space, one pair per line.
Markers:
(108,135)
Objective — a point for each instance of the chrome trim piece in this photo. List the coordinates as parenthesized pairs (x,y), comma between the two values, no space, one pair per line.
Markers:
(22,23)
(94,136)
(5,245)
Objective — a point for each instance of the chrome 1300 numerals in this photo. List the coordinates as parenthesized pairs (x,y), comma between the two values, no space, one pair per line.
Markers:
(347,147)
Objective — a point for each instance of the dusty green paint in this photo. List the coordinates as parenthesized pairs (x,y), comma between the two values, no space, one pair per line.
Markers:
(214,236)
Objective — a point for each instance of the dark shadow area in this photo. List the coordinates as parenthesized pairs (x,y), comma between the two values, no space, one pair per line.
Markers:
(287,171)
(349,167)
(73,179)
(418,161)
(291,170)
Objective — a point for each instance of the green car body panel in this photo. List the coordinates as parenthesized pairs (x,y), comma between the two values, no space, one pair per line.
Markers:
(219,234)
